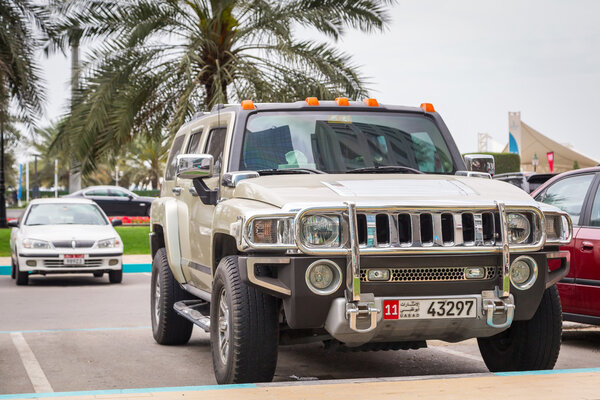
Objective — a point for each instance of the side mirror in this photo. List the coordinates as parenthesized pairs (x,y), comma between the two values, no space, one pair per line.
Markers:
(130,197)
(192,166)
(484,163)
(13,223)
(116,222)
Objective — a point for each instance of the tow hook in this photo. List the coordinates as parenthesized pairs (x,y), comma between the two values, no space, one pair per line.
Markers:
(362,309)
(497,306)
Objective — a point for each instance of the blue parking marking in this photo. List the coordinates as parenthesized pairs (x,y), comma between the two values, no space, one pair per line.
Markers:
(126,391)
(127,268)
(549,372)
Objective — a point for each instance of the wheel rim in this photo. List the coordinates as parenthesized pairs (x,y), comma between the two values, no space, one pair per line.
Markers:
(157,300)
(223,327)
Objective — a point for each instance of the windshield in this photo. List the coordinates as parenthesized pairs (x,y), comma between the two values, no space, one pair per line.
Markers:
(65,214)
(342,142)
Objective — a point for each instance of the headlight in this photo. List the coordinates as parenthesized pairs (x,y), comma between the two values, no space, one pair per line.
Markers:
(518,227)
(558,229)
(35,244)
(272,231)
(108,243)
(321,230)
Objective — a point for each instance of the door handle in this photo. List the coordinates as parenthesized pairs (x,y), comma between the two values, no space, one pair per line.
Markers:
(193,192)
(587,246)
(177,190)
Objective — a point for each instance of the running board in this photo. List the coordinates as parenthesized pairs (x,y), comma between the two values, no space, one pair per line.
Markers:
(197,311)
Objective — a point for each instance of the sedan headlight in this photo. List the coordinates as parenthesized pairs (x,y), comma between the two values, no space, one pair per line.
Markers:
(108,243)
(558,229)
(321,230)
(519,228)
(35,244)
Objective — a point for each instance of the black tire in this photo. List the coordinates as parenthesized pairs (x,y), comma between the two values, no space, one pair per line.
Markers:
(115,276)
(527,345)
(98,274)
(252,329)
(21,278)
(13,269)
(168,327)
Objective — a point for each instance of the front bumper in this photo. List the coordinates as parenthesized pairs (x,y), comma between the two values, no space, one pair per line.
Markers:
(54,262)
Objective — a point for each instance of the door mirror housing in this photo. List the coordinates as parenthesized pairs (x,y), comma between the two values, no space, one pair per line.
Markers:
(192,166)
(13,223)
(483,163)
(116,222)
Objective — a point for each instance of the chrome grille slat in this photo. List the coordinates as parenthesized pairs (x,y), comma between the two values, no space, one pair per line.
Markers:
(69,243)
(59,263)
(431,274)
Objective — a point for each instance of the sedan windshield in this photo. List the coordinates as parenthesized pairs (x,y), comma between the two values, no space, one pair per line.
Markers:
(65,214)
(343,142)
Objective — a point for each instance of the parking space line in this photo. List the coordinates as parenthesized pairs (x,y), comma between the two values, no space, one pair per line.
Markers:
(120,328)
(445,349)
(32,366)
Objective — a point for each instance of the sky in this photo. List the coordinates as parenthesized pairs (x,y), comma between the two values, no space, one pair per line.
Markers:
(474,61)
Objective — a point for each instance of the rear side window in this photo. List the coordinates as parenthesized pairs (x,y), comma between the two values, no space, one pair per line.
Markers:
(172,161)
(97,192)
(595,217)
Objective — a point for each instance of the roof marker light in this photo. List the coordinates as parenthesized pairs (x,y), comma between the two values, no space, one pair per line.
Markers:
(312,101)
(428,107)
(342,101)
(247,105)
(371,102)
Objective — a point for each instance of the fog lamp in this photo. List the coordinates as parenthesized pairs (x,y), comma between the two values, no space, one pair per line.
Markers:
(474,272)
(323,277)
(379,275)
(523,272)
(31,263)
(113,262)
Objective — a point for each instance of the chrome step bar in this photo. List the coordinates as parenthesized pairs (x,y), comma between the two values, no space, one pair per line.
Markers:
(196,311)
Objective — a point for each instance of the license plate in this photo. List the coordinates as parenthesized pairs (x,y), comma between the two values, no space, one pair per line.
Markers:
(429,308)
(74,259)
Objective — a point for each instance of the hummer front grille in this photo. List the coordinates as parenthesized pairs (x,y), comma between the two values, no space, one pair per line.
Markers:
(428,229)
(429,274)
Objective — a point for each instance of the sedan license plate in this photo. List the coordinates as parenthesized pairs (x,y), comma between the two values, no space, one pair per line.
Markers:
(74,259)
(429,308)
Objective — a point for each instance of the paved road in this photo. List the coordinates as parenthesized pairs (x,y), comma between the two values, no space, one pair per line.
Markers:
(80,333)
(14,212)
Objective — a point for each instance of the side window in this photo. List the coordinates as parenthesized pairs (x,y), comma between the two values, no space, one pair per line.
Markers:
(595,217)
(568,194)
(97,192)
(194,144)
(118,193)
(214,146)
(172,161)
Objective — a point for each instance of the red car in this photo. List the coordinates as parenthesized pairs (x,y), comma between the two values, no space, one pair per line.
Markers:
(578,193)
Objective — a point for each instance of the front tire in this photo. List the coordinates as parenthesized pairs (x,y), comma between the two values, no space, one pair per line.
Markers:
(21,277)
(13,269)
(244,330)
(115,276)
(527,345)
(168,327)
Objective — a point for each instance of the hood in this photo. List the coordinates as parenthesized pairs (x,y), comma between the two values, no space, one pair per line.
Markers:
(69,232)
(292,191)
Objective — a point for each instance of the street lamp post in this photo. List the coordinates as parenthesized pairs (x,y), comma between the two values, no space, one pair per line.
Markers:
(36,187)
(535,162)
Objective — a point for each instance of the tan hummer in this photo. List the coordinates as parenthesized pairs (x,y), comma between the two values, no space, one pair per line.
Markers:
(356,224)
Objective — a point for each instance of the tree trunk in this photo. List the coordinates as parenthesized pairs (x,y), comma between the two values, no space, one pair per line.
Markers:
(74,165)
(3,221)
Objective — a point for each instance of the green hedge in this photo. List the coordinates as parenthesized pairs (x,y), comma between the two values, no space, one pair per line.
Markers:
(505,162)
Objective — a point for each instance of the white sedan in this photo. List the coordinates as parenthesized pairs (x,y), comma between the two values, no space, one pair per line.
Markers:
(65,236)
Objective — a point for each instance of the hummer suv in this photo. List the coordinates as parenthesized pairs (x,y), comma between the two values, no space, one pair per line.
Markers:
(355,224)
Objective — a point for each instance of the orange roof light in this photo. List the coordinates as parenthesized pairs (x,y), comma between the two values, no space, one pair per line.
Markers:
(247,105)
(312,101)
(371,102)
(428,107)
(342,101)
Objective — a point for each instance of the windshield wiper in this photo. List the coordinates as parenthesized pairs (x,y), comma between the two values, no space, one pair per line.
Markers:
(289,171)
(386,169)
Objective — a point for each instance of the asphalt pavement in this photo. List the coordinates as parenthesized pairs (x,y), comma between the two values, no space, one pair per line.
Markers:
(74,333)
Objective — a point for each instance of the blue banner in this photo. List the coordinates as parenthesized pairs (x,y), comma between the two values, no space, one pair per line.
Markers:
(19,189)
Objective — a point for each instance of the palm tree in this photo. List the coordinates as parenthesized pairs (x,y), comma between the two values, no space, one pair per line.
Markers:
(160,62)
(19,84)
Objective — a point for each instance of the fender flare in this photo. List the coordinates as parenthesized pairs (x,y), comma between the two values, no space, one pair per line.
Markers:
(164,213)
